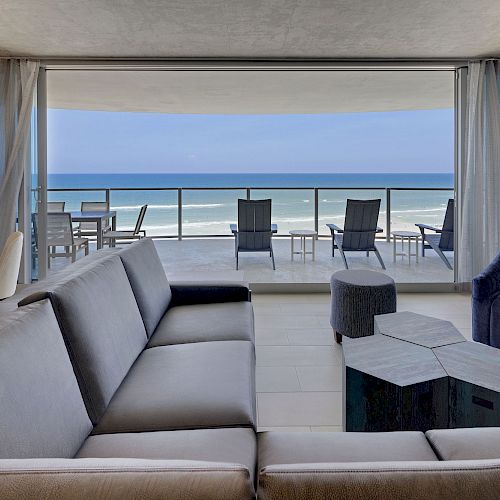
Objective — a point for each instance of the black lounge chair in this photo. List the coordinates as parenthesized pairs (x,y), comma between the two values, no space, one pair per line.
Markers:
(444,239)
(359,231)
(254,230)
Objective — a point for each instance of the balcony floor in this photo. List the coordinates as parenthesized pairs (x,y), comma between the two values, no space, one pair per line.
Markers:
(214,259)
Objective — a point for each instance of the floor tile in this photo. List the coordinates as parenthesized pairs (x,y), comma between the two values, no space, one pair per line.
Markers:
(320,378)
(300,408)
(297,355)
(277,379)
(271,336)
(327,428)
(313,336)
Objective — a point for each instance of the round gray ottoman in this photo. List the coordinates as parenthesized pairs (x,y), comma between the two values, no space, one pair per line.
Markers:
(357,296)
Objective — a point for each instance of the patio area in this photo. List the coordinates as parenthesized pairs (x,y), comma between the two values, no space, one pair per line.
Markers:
(213,259)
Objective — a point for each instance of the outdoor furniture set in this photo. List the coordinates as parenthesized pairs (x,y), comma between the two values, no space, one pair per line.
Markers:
(71,230)
(254,231)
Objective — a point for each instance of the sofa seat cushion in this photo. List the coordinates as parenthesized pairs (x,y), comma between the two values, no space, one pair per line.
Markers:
(278,448)
(478,443)
(186,386)
(205,323)
(235,446)
(42,414)
(148,280)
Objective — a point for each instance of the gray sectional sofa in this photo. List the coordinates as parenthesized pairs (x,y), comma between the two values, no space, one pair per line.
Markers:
(116,384)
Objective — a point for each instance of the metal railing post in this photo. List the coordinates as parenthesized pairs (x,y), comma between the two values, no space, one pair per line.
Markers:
(249,194)
(388,214)
(108,197)
(179,214)
(316,210)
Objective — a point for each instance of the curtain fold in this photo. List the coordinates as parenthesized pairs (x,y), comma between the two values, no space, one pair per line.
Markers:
(18,78)
(479,232)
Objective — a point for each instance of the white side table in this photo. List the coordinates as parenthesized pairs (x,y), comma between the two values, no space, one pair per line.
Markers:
(303,234)
(409,236)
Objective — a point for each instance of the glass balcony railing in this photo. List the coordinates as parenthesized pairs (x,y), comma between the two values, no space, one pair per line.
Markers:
(207,212)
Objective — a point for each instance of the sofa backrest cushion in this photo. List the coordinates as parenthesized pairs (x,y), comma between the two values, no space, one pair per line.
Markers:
(42,413)
(102,328)
(148,280)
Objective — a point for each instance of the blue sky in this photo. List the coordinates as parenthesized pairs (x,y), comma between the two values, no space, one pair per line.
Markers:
(113,142)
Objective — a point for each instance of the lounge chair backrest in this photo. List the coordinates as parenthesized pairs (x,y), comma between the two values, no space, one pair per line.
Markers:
(140,219)
(56,206)
(447,237)
(254,224)
(360,226)
(93,206)
(59,229)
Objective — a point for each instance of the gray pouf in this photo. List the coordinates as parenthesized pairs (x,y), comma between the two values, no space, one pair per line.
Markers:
(357,296)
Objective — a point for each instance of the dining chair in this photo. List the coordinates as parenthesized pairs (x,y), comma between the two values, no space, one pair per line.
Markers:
(60,234)
(114,237)
(90,228)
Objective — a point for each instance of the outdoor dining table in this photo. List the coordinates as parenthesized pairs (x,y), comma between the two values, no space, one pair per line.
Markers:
(98,217)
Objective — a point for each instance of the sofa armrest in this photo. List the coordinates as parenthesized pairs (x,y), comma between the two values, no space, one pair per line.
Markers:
(474,479)
(188,292)
(116,479)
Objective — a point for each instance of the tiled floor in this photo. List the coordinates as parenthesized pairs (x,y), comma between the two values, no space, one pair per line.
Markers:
(299,377)
(216,256)
(214,259)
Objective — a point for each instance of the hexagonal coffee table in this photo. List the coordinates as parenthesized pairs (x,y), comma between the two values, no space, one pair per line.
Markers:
(419,373)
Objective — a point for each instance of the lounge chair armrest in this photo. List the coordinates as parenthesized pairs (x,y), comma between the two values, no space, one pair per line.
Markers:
(188,292)
(334,227)
(430,228)
(115,478)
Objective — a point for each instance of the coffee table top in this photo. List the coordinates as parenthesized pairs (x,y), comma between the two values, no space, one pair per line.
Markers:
(418,329)
(406,234)
(410,348)
(303,232)
(471,362)
(397,362)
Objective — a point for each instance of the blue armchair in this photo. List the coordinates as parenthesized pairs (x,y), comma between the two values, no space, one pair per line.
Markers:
(486,305)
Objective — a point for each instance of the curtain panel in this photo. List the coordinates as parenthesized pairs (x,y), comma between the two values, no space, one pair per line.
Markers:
(479,231)
(18,79)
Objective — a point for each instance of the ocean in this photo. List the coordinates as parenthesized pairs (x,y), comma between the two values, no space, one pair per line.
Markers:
(209,212)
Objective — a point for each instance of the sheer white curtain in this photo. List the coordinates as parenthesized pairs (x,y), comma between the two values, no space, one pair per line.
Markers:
(17,86)
(479,232)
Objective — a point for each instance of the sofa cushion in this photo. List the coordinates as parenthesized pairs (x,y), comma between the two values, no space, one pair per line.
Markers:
(465,444)
(148,280)
(236,446)
(102,328)
(205,323)
(306,447)
(186,386)
(123,479)
(41,409)
(429,480)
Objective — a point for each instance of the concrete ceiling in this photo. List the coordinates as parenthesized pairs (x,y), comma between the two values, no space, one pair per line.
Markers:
(251,28)
(249,92)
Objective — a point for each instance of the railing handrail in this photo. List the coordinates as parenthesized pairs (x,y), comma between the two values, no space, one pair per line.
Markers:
(248,190)
(253,188)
